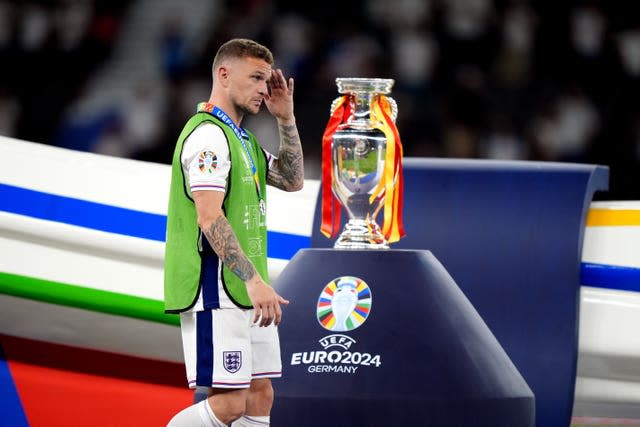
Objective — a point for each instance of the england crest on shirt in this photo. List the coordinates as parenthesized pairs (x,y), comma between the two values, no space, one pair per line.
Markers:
(232,361)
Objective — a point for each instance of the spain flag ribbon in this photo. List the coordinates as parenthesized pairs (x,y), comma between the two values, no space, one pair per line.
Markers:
(330,204)
(391,185)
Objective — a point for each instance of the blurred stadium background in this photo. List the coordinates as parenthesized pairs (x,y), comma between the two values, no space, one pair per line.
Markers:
(495,79)
(519,79)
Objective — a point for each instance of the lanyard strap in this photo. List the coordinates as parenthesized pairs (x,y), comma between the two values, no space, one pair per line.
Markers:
(241,135)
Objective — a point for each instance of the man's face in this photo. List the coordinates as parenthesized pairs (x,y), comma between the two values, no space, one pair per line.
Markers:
(248,79)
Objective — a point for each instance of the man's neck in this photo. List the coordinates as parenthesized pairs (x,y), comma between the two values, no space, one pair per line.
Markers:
(228,108)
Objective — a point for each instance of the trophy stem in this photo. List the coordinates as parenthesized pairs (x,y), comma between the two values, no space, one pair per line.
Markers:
(361,234)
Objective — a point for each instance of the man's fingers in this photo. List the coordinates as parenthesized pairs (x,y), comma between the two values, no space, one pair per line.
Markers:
(272,315)
(278,315)
(256,314)
(267,316)
(264,321)
(278,81)
(273,81)
(264,315)
(267,308)
(282,300)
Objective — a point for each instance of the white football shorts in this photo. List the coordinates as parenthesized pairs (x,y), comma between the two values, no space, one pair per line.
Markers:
(224,349)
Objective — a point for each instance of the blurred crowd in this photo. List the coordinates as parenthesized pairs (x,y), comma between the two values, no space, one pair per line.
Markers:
(48,51)
(495,79)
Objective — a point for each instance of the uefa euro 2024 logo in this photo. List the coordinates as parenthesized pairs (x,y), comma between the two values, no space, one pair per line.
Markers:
(344,304)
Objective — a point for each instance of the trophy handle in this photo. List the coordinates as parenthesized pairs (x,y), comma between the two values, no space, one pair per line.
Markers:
(392,102)
(394,108)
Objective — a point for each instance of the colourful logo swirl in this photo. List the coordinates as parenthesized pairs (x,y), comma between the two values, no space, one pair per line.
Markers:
(344,304)
(207,161)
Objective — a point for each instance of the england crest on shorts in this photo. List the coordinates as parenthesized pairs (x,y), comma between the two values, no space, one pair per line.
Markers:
(232,361)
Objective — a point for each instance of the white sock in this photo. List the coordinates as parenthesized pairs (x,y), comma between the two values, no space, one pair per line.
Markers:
(251,421)
(198,415)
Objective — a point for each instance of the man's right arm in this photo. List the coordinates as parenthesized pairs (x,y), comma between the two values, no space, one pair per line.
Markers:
(218,231)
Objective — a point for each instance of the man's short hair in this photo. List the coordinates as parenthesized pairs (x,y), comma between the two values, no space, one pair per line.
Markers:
(241,48)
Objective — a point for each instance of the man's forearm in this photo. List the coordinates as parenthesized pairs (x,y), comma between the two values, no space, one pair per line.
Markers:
(225,243)
(289,173)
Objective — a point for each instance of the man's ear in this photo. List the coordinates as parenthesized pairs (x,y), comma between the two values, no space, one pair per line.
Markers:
(222,75)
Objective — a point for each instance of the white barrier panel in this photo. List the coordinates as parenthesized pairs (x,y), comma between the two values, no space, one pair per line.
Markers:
(608,381)
(82,241)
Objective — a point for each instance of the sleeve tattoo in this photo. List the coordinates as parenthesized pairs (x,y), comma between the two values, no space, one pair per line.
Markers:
(288,172)
(223,240)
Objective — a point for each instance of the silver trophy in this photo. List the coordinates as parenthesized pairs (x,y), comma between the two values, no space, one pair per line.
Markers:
(358,163)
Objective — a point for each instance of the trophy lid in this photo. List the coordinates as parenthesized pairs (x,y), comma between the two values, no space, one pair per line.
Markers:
(367,85)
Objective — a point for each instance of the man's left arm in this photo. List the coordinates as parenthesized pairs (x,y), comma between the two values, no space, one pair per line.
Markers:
(287,171)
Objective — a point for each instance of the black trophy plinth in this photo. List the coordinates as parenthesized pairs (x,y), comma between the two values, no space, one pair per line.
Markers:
(378,338)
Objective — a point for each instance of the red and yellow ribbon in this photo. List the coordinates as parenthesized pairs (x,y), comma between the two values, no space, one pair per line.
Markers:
(330,204)
(392,180)
(390,186)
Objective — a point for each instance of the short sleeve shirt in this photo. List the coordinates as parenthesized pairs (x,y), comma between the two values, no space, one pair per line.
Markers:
(206,160)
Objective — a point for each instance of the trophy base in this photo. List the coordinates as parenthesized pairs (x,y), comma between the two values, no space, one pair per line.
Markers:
(361,234)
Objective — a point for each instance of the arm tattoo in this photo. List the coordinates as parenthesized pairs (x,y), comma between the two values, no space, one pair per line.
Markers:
(288,170)
(225,243)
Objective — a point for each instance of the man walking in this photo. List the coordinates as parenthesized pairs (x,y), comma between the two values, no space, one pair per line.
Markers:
(216,252)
